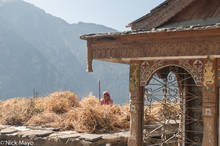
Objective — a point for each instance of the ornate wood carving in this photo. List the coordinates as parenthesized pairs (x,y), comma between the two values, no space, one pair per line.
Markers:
(218,72)
(208,74)
(204,73)
(144,47)
(193,67)
(136,105)
(134,77)
(210,103)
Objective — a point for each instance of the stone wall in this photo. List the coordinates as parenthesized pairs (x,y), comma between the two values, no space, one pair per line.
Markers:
(40,136)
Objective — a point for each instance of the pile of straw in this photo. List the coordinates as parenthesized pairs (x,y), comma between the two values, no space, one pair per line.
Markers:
(63,110)
(17,111)
(91,117)
(61,102)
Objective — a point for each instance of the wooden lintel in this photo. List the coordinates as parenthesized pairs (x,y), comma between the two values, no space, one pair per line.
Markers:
(130,60)
(144,48)
(122,61)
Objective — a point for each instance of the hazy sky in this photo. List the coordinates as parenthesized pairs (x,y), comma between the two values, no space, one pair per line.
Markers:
(113,13)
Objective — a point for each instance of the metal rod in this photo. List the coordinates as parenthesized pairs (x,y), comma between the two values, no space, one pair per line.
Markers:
(184,117)
(99,90)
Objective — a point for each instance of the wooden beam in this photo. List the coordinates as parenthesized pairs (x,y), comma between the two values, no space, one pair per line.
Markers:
(143,47)
(128,60)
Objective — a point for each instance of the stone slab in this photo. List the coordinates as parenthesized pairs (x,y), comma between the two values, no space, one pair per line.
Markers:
(64,135)
(60,138)
(42,128)
(110,137)
(3,127)
(91,137)
(35,133)
(20,128)
(125,134)
(8,131)
(68,136)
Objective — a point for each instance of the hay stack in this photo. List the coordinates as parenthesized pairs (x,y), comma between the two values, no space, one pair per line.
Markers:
(45,119)
(17,111)
(89,101)
(61,102)
(92,117)
(63,110)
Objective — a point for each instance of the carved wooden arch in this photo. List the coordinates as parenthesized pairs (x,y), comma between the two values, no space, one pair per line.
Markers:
(193,67)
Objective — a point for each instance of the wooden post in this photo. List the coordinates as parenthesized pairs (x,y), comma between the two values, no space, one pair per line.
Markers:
(218,114)
(218,74)
(210,99)
(89,56)
(136,106)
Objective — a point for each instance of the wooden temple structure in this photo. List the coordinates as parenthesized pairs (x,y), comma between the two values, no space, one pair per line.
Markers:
(178,46)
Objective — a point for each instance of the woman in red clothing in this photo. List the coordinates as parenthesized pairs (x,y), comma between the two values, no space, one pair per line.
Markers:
(107,99)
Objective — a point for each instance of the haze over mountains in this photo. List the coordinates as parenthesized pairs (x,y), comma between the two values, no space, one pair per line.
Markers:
(42,52)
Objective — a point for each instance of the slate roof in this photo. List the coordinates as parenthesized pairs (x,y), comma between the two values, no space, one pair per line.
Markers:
(161,14)
(169,29)
(157,8)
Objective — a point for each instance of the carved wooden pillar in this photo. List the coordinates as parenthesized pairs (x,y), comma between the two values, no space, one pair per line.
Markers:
(218,74)
(210,100)
(136,106)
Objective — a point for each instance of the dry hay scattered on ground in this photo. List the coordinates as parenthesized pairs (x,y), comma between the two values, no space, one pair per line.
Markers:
(63,110)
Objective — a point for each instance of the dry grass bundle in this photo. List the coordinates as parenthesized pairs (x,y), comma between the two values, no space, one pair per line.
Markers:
(125,119)
(89,101)
(61,102)
(95,119)
(92,117)
(63,110)
(45,119)
(17,111)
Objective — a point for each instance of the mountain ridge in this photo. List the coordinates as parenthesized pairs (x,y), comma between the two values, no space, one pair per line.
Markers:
(55,56)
